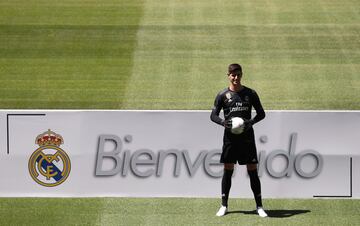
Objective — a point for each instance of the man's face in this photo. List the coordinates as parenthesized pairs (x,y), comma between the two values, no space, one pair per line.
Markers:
(235,77)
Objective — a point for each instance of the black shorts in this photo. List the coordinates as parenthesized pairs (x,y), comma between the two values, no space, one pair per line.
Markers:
(240,150)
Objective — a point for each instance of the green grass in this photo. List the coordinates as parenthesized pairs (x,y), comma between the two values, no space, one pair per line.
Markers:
(67,54)
(161,54)
(174,211)
(173,54)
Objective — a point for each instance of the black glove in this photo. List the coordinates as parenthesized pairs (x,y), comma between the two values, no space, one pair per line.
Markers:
(228,124)
(247,124)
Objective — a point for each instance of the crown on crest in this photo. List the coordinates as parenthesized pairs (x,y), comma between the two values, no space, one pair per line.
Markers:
(49,138)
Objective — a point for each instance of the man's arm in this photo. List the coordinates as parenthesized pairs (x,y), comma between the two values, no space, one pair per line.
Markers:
(214,116)
(260,113)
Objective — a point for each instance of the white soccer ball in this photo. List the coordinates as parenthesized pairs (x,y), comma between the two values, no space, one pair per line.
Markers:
(237,125)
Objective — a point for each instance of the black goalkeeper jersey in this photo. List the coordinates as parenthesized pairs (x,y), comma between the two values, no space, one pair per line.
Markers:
(237,104)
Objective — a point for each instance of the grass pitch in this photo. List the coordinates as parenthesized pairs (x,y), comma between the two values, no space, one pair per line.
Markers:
(174,211)
(162,54)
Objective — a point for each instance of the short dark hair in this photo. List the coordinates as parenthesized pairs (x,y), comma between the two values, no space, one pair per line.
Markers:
(234,68)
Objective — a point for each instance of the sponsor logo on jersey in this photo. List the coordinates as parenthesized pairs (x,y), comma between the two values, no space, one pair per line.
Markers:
(49,165)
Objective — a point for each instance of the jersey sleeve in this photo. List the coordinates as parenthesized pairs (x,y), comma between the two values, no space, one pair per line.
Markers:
(260,113)
(218,105)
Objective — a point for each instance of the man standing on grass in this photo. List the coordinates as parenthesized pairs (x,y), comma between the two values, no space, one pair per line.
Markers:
(237,101)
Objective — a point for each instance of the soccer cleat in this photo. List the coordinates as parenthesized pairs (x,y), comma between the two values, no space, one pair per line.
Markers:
(261,212)
(222,211)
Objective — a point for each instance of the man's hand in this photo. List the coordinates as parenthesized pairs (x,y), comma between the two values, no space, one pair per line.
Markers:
(247,124)
(228,124)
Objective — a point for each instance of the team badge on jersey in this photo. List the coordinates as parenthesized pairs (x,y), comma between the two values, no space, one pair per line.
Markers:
(49,165)
(228,96)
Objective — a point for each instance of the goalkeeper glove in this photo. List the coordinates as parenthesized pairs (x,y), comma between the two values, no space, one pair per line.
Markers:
(228,124)
(247,124)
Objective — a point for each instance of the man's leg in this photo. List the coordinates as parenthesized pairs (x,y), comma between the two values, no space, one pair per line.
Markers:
(226,183)
(256,188)
(225,188)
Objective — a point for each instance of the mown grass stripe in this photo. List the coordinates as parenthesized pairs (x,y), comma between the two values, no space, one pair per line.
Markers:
(175,211)
(67,55)
(181,49)
(182,54)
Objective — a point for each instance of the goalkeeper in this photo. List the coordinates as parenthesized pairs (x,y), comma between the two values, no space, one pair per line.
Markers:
(237,101)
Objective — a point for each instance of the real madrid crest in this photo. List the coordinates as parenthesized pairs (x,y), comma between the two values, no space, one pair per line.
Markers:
(49,165)
(228,96)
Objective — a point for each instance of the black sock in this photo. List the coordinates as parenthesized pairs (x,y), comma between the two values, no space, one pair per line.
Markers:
(255,186)
(225,186)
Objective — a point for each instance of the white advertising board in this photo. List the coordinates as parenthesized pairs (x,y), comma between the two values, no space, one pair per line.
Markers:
(302,154)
